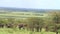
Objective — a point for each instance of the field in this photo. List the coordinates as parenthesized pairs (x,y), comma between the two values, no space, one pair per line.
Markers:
(17,31)
(43,22)
(21,14)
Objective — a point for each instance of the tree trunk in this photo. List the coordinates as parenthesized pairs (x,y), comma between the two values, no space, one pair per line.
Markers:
(46,28)
(40,29)
(56,32)
(32,29)
(56,29)
(37,28)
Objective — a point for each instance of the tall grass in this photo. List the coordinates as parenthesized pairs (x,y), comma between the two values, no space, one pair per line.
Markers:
(17,31)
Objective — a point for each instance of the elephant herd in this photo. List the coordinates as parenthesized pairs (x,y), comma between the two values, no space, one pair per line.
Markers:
(21,26)
(11,25)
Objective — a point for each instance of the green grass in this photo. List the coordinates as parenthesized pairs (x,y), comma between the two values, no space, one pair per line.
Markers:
(22,14)
(17,31)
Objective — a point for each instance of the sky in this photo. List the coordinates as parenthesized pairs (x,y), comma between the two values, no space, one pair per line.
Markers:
(35,4)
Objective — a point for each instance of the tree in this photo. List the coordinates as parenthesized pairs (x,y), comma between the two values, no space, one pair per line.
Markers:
(48,22)
(56,20)
(35,22)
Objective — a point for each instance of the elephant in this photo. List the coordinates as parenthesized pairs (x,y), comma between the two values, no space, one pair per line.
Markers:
(9,25)
(1,25)
(22,26)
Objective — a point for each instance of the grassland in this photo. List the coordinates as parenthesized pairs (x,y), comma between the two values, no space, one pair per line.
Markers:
(21,14)
(17,31)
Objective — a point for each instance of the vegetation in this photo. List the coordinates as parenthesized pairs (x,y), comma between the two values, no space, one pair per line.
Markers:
(33,23)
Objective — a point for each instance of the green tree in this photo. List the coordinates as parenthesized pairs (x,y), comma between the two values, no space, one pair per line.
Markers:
(56,20)
(35,22)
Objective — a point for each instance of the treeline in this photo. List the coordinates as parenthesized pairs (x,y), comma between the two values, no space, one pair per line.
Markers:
(49,23)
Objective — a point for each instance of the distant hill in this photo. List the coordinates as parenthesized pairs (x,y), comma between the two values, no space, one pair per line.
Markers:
(25,10)
(22,9)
